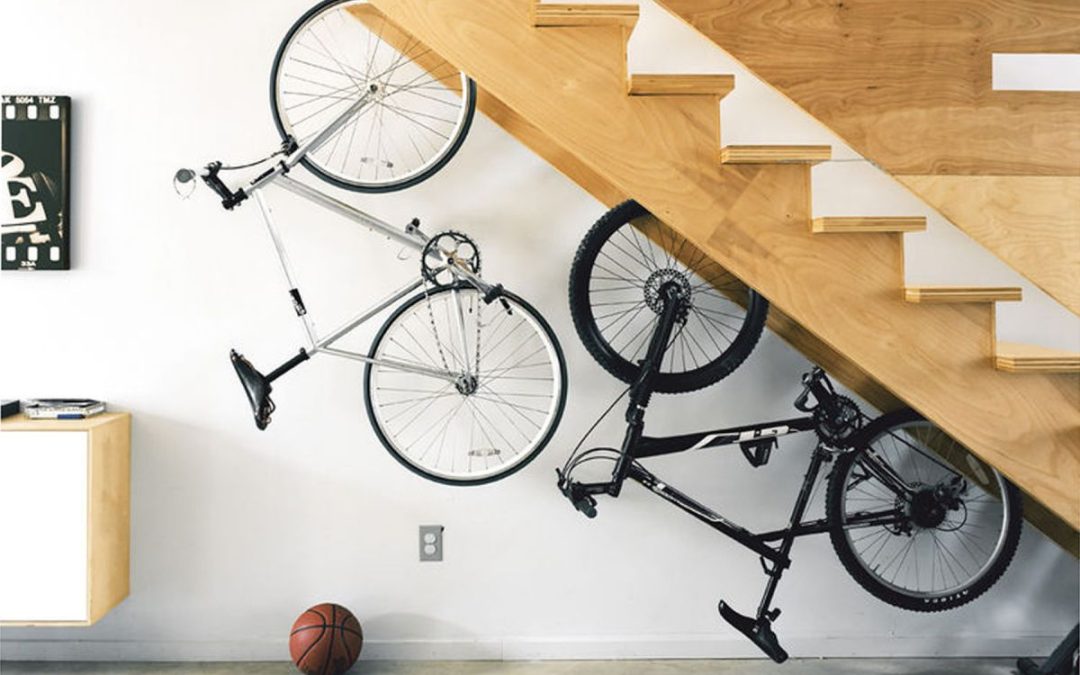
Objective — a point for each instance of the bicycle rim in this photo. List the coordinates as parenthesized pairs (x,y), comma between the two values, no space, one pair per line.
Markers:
(934,560)
(421,108)
(501,404)
(615,291)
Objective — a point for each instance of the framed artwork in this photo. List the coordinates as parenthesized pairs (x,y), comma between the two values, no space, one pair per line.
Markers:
(35,167)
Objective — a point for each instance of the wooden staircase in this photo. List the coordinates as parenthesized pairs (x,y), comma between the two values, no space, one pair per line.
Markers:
(555,75)
(910,87)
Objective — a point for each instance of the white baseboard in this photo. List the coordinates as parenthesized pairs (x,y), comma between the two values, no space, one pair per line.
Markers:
(527,649)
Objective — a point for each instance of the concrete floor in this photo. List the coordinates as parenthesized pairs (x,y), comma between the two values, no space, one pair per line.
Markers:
(760,667)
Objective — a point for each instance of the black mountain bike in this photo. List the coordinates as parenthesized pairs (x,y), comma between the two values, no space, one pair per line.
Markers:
(916,519)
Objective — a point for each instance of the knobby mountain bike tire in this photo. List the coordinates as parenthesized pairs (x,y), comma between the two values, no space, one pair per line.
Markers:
(949,556)
(615,280)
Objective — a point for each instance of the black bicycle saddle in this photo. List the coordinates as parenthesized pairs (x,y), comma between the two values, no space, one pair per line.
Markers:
(257,388)
(758,630)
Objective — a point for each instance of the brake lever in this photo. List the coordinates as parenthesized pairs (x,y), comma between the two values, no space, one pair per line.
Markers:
(582,502)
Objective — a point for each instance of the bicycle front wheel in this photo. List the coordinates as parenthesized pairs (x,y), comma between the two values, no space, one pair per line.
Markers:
(498,399)
(615,280)
(950,523)
(421,105)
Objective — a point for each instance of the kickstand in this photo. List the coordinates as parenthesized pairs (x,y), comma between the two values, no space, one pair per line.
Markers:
(1060,661)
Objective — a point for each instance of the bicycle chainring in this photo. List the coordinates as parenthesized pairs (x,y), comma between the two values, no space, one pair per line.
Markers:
(837,421)
(454,245)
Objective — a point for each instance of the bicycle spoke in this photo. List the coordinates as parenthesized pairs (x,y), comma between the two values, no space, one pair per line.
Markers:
(938,556)
(349,50)
(472,427)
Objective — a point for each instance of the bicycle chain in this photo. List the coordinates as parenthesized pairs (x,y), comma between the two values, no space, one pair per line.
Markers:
(430,281)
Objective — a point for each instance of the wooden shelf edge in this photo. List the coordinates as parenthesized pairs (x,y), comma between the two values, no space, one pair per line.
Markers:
(21,422)
(958,294)
(1013,357)
(555,15)
(775,154)
(647,84)
(46,624)
(870,224)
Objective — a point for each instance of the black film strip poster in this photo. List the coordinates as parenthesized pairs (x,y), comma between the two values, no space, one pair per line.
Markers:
(35,164)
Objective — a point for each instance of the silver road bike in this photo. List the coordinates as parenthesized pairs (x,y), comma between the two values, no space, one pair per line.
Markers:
(465,382)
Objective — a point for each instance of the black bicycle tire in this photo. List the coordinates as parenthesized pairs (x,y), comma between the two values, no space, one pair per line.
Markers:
(422,297)
(587,329)
(849,559)
(333,180)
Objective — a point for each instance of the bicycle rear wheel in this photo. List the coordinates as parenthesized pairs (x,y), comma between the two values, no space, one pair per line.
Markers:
(956,534)
(498,407)
(421,110)
(615,281)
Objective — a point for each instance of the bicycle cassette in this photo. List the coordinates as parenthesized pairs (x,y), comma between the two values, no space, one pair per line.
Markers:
(452,249)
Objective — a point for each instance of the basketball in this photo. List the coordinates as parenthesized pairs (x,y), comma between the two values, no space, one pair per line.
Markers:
(325,640)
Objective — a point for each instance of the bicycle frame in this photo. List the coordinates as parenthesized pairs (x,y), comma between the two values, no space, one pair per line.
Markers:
(411,237)
(759,438)
(756,442)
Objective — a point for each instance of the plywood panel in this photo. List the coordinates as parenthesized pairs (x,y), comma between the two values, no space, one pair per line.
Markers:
(909,84)
(1030,222)
(110,515)
(755,221)
(953,294)
(43,516)
(1021,358)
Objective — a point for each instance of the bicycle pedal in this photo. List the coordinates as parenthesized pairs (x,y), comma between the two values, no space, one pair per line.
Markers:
(759,631)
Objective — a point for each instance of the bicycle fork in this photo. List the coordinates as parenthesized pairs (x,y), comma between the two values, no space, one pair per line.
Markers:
(642,390)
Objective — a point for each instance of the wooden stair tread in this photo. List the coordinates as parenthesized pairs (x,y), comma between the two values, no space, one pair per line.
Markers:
(1014,357)
(846,224)
(681,85)
(950,294)
(775,154)
(582,14)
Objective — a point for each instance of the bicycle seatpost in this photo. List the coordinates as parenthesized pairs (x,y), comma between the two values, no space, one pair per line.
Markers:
(642,389)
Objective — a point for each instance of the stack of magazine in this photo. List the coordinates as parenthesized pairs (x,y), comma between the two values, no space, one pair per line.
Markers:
(62,408)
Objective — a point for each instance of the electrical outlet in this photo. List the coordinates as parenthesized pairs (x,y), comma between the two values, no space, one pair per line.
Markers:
(431,543)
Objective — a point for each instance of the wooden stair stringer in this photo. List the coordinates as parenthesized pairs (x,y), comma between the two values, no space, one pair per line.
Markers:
(745,217)
(839,367)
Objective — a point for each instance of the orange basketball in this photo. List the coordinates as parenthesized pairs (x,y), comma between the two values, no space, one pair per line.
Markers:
(325,640)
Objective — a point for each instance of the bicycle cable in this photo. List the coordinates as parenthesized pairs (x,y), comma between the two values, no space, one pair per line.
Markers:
(570,462)
(239,167)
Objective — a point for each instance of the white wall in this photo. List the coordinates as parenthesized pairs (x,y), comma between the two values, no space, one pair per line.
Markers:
(236,531)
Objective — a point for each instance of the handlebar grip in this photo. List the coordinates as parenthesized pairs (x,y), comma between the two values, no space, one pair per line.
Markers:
(586,505)
(229,199)
(572,491)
